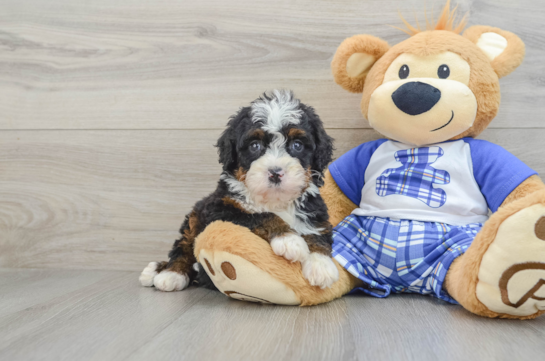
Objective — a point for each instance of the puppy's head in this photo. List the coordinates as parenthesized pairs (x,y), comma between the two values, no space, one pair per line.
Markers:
(274,150)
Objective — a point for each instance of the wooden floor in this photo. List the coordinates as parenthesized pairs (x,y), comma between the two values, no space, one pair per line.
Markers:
(106,315)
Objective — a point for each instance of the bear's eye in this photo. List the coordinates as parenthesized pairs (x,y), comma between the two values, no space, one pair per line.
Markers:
(443,72)
(404,71)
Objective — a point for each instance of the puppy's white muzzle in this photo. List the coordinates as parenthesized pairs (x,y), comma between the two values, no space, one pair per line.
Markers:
(276,179)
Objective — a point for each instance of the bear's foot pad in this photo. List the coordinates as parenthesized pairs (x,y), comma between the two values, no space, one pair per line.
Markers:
(240,279)
(512,271)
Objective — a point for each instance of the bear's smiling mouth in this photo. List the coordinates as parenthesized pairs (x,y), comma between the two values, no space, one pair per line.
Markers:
(444,125)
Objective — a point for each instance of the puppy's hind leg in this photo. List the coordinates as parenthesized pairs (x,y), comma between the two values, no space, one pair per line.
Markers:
(169,280)
(179,270)
(177,273)
(148,274)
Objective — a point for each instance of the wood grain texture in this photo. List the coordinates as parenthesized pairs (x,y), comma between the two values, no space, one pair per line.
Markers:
(169,64)
(108,316)
(109,110)
(115,199)
(104,199)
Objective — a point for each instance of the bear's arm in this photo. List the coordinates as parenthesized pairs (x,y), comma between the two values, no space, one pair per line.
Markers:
(530,185)
(338,205)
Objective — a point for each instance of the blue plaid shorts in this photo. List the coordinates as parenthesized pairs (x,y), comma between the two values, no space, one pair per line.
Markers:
(400,255)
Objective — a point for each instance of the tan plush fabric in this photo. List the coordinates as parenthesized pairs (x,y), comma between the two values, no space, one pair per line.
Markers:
(458,107)
(462,277)
(239,241)
(338,205)
(365,44)
(510,58)
(483,80)
(530,185)
(489,58)
(446,21)
(360,65)
(512,271)
(237,278)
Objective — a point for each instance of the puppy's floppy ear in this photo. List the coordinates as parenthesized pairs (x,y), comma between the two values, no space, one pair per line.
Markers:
(504,49)
(227,149)
(227,143)
(354,58)
(324,144)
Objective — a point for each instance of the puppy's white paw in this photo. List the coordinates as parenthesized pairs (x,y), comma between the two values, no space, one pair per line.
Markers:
(290,246)
(170,281)
(148,274)
(320,270)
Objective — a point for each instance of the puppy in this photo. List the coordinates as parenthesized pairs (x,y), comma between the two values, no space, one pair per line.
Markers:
(273,155)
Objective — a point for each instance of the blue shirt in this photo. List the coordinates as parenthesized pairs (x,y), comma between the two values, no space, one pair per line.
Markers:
(452,182)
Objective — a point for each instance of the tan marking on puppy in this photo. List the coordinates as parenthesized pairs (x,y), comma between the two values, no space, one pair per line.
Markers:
(240,174)
(273,227)
(296,133)
(256,133)
(184,264)
(308,174)
(234,203)
(161,266)
(313,247)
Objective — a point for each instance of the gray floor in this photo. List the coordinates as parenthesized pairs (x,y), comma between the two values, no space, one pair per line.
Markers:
(106,315)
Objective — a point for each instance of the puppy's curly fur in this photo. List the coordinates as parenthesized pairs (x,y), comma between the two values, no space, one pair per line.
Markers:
(273,154)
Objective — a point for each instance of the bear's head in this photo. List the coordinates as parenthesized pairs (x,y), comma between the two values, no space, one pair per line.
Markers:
(436,85)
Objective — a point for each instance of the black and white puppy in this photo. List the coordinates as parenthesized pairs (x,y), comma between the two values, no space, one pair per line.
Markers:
(273,155)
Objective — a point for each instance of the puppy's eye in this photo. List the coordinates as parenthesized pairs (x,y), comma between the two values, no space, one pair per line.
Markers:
(443,72)
(255,146)
(404,71)
(297,146)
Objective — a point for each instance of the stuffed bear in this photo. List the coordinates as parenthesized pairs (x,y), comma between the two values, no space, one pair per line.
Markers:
(412,210)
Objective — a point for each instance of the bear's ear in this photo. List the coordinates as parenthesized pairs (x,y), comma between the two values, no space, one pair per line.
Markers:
(504,49)
(354,58)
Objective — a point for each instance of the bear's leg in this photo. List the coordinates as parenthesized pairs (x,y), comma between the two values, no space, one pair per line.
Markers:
(502,274)
(243,266)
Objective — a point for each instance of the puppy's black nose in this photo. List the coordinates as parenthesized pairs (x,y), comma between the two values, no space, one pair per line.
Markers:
(275,175)
(416,97)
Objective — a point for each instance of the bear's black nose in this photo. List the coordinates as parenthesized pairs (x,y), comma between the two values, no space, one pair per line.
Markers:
(416,97)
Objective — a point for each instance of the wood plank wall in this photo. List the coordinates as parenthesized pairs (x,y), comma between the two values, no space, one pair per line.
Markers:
(109,109)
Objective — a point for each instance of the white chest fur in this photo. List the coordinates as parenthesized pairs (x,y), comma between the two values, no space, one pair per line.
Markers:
(293,213)
(298,221)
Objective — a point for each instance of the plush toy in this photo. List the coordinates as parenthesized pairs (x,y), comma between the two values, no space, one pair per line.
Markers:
(412,210)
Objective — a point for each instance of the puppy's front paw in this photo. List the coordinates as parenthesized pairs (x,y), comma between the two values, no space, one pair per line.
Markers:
(170,281)
(320,270)
(148,274)
(290,246)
